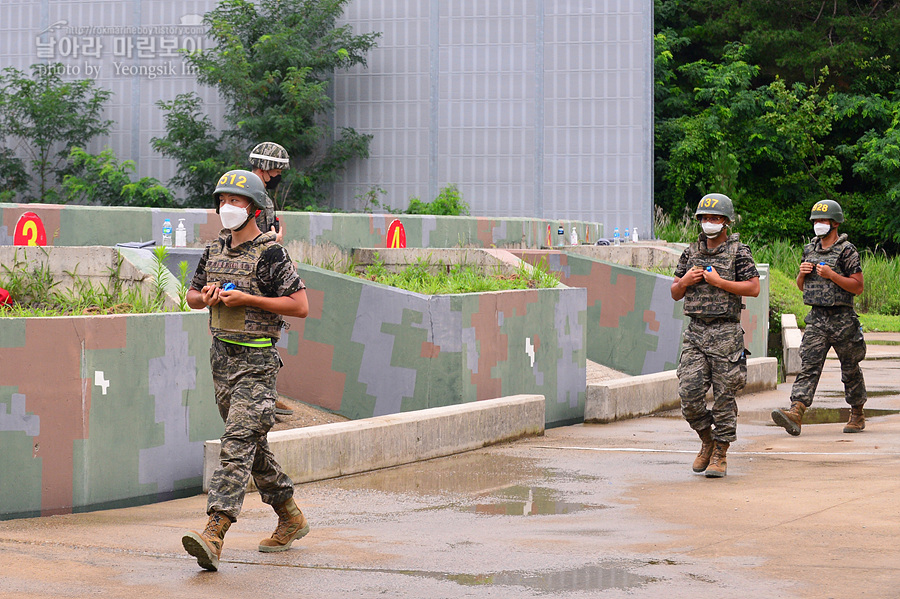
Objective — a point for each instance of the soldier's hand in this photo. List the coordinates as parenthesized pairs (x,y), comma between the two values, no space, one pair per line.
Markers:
(210,294)
(806,268)
(824,271)
(711,276)
(693,276)
(232,298)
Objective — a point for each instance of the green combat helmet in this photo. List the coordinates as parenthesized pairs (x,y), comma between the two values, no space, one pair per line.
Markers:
(242,183)
(828,209)
(716,203)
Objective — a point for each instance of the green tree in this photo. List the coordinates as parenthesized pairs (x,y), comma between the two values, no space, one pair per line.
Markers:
(104,181)
(46,117)
(272,64)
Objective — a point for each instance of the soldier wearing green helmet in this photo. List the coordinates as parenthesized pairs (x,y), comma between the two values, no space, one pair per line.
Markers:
(830,275)
(248,282)
(712,276)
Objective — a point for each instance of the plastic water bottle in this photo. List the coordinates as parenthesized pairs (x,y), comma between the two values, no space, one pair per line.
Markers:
(573,238)
(616,239)
(561,235)
(634,235)
(180,234)
(627,235)
(167,233)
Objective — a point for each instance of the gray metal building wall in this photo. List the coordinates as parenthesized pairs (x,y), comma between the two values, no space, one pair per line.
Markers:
(532,107)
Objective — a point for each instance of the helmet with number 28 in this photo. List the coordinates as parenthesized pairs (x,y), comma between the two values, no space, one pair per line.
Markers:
(715,203)
(242,183)
(827,209)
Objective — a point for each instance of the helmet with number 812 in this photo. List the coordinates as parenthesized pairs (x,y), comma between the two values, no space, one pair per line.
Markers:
(242,183)
(828,209)
(716,203)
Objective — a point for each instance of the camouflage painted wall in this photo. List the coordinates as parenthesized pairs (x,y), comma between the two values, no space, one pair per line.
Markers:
(90,225)
(369,350)
(633,324)
(100,411)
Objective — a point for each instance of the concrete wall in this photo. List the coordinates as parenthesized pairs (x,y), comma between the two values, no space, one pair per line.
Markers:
(641,395)
(103,410)
(330,450)
(369,350)
(633,325)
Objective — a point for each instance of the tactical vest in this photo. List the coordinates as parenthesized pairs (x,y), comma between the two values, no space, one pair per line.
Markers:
(702,299)
(819,291)
(238,266)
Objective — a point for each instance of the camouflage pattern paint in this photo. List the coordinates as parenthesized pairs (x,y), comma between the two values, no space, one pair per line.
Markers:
(70,225)
(378,350)
(96,411)
(633,324)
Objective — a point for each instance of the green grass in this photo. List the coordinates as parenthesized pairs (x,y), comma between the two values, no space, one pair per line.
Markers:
(36,292)
(883,323)
(430,279)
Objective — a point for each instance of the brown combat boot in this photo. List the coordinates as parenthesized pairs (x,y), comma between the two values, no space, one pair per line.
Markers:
(292,525)
(718,466)
(207,545)
(857,420)
(282,409)
(791,419)
(706,449)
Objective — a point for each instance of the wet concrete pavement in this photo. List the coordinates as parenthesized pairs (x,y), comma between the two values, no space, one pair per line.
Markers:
(584,511)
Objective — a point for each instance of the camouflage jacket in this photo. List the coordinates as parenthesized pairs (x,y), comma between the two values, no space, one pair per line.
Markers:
(733,261)
(843,258)
(259,267)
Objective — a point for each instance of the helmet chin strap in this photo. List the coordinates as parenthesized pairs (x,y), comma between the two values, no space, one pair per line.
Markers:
(246,222)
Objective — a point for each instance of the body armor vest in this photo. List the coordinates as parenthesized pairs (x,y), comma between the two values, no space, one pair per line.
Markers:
(238,266)
(819,291)
(703,300)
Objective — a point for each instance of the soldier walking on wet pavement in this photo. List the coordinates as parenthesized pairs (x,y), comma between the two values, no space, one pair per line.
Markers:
(248,282)
(712,276)
(830,275)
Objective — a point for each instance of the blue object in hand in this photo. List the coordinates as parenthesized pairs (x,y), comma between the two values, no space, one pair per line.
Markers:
(228,287)
(821,264)
(709,269)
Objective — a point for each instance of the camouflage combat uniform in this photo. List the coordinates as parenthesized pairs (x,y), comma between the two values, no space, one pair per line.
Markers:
(245,365)
(265,220)
(831,322)
(713,351)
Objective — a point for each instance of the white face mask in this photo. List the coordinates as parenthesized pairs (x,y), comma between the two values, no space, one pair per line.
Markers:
(712,229)
(822,229)
(232,217)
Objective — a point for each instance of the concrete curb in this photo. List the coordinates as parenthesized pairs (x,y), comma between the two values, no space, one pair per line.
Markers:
(623,398)
(330,450)
(790,341)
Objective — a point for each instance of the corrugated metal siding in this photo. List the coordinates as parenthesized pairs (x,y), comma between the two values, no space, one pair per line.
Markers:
(537,108)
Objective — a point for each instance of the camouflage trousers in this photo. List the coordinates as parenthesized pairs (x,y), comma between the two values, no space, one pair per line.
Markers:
(826,328)
(244,381)
(712,354)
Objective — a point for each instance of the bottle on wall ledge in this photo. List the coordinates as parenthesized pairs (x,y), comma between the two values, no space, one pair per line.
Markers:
(167,233)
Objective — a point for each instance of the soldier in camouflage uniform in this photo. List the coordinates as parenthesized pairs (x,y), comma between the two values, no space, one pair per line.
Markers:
(712,276)
(267,160)
(248,282)
(830,275)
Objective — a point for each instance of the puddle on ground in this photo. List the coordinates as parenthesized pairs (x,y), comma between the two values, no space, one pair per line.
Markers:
(467,473)
(869,393)
(528,501)
(813,415)
(585,578)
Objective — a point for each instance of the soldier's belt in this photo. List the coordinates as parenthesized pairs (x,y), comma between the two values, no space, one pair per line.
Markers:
(715,319)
